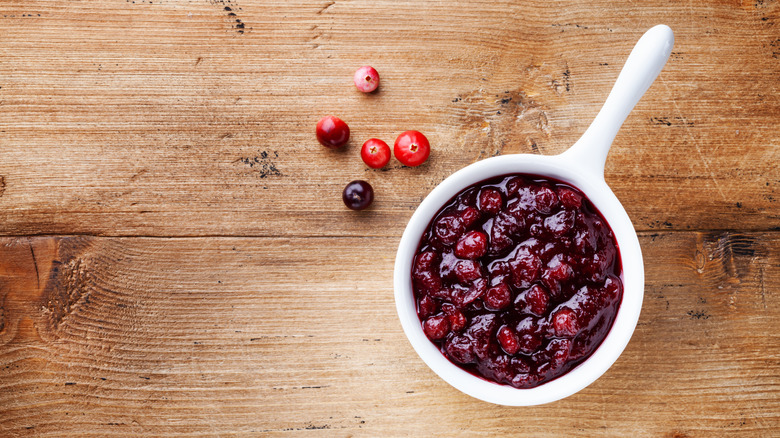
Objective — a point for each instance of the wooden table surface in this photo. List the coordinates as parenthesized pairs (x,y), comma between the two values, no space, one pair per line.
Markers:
(176,259)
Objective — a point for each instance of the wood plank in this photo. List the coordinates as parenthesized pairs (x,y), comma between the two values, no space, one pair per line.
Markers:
(298,336)
(168,118)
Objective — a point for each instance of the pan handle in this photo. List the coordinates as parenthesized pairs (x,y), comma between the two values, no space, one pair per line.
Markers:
(642,67)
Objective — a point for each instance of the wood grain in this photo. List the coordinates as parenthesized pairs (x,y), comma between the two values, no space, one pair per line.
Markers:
(220,336)
(175,258)
(160,118)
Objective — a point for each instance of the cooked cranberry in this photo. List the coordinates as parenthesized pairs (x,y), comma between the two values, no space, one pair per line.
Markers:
(436,327)
(533,301)
(613,288)
(545,199)
(481,331)
(366,79)
(520,239)
(332,132)
(490,201)
(471,245)
(469,216)
(508,340)
(498,297)
(468,271)
(411,148)
(448,229)
(427,281)
(520,365)
(525,380)
(526,268)
(559,352)
(375,153)
(456,317)
(569,198)
(426,306)
(460,349)
(515,184)
(358,195)
(565,322)
(560,223)
(425,261)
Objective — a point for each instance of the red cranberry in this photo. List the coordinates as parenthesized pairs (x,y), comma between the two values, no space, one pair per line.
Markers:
(467,296)
(332,132)
(426,306)
(436,327)
(448,229)
(526,268)
(469,216)
(559,352)
(460,349)
(429,282)
(514,184)
(560,223)
(490,201)
(468,271)
(533,301)
(358,195)
(425,261)
(545,199)
(613,288)
(375,153)
(411,148)
(498,297)
(569,198)
(456,318)
(481,331)
(508,340)
(471,245)
(565,323)
(366,79)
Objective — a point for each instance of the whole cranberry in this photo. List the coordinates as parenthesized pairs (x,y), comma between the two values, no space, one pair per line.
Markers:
(533,301)
(469,216)
(498,297)
(375,153)
(467,271)
(471,245)
(460,349)
(565,323)
(436,327)
(426,306)
(332,132)
(358,195)
(508,340)
(456,317)
(490,201)
(569,198)
(366,79)
(411,148)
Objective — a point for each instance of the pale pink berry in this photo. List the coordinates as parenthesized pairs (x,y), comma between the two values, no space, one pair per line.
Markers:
(366,79)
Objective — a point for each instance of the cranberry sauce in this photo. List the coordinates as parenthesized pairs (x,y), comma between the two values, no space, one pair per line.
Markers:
(517,279)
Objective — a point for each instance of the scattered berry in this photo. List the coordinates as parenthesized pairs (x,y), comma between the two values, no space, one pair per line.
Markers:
(375,153)
(411,148)
(358,195)
(332,132)
(366,79)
